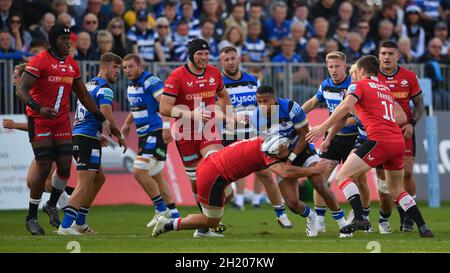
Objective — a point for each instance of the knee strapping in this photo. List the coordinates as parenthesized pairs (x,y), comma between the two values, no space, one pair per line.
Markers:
(144,165)
(58,182)
(191,173)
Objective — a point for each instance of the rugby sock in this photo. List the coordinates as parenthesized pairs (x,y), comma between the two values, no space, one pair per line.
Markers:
(279,210)
(33,206)
(366,213)
(158,201)
(54,196)
(320,211)
(307,212)
(174,224)
(70,213)
(69,190)
(81,216)
(401,212)
(174,213)
(256,200)
(384,216)
(408,204)
(239,199)
(351,192)
(201,230)
(337,215)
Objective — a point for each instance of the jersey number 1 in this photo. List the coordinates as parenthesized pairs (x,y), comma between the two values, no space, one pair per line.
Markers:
(388,111)
(59,98)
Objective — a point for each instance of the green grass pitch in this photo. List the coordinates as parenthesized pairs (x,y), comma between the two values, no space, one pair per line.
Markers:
(122,229)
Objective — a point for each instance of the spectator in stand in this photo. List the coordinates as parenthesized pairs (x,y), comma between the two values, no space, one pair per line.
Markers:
(404,46)
(388,12)
(287,55)
(412,29)
(254,48)
(311,52)
(298,34)
(441,31)
(301,16)
(366,12)
(207,34)
(277,27)
(187,15)
(433,59)
(330,46)
(180,40)
(20,38)
(368,45)
(386,31)
(65,19)
(345,14)
(321,27)
(142,38)
(130,17)
(354,50)
(84,50)
(90,25)
(341,35)
(60,6)
(324,8)
(117,9)
(170,12)
(105,44)
(233,37)
(432,12)
(211,11)
(121,44)
(41,33)
(9,53)
(5,13)
(237,18)
(163,43)
(156,8)
(94,7)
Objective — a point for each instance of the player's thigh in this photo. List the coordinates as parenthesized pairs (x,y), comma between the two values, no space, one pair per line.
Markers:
(327,174)
(289,190)
(352,167)
(265,176)
(87,153)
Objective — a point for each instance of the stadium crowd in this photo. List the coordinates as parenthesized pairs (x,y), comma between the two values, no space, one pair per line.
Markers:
(261,30)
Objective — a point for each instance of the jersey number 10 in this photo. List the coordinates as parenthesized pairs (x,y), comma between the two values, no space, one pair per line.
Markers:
(388,111)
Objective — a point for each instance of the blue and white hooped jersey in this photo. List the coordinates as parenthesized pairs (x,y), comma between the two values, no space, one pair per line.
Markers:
(85,124)
(285,121)
(142,94)
(333,94)
(362,134)
(243,96)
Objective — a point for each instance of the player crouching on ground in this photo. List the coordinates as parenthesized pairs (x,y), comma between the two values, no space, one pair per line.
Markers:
(235,161)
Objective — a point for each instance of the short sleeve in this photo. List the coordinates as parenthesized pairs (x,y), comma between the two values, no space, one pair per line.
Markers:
(105,96)
(319,94)
(76,67)
(35,67)
(355,89)
(297,115)
(414,86)
(154,86)
(219,79)
(172,86)
(269,160)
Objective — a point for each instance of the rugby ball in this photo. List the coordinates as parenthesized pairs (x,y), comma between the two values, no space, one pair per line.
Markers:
(272,144)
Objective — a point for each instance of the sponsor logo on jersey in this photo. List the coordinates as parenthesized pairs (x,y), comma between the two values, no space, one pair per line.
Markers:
(59,79)
(404,83)
(190,84)
(205,94)
(134,100)
(212,81)
(168,85)
(235,99)
(54,66)
(400,95)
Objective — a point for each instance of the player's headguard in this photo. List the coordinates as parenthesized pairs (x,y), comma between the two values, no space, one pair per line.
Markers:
(56,31)
(195,45)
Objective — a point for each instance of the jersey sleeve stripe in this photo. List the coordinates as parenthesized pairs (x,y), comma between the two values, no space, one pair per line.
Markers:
(31,74)
(170,94)
(356,96)
(158,92)
(301,124)
(418,93)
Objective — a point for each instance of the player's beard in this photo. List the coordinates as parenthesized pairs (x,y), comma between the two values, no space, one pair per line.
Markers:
(232,72)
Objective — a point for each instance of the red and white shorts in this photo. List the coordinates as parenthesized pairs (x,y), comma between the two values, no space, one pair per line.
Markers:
(389,154)
(42,128)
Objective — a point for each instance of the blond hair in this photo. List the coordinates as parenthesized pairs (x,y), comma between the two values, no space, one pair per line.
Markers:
(336,55)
